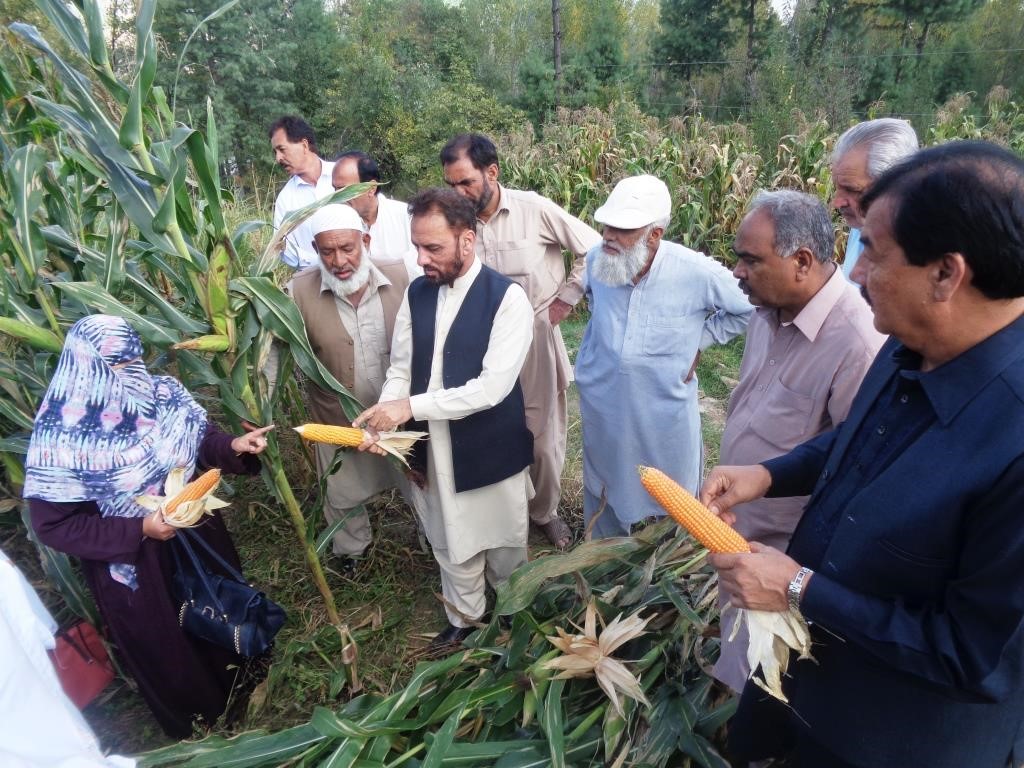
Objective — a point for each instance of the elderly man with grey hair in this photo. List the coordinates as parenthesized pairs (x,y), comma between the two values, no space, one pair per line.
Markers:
(808,346)
(653,306)
(862,154)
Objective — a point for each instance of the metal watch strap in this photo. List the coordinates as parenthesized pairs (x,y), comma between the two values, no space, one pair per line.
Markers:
(796,587)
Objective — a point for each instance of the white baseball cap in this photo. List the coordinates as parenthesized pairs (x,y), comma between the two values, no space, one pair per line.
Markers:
(635,202)
(335,216)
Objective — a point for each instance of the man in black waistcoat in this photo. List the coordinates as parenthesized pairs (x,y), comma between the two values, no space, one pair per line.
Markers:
(461,337)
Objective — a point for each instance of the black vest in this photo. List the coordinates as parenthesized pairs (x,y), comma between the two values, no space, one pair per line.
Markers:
(490,445)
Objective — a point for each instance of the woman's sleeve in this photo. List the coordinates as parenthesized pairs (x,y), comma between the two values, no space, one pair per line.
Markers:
(78,529)
(215,451)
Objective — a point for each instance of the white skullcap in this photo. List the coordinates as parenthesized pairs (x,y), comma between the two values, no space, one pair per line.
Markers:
(335,216)
(635,202)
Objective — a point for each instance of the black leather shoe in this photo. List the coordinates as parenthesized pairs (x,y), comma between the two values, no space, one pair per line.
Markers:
(450,635)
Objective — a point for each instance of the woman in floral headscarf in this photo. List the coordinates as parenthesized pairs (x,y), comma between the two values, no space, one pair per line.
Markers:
(106,433)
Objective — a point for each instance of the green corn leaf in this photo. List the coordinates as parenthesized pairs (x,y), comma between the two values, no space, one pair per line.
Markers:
(553,724)
(443,740)
(246,750)
(40,338)
(95,297)
(23,168)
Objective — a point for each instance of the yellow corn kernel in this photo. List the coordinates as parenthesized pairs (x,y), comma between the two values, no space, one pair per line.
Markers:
(705,526)
(198,488)
(348,437)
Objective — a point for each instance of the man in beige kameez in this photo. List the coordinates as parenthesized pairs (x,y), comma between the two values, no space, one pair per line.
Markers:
(522,235)
(461,337)
(348,305)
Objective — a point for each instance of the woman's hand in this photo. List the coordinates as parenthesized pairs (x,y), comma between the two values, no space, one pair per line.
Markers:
(251,442)
(154,527)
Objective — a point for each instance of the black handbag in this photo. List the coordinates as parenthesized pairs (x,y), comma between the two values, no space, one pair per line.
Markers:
(224,610)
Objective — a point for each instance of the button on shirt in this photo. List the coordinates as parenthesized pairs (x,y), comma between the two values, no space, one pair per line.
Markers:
(298,249)
(368,334)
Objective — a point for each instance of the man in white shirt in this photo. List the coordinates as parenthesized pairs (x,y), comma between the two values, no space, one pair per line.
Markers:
(388,220)
(294,145)
(461,337)
(861,155)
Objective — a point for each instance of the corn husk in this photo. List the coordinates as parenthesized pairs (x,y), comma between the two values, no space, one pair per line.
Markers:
(397,444)
(187,514)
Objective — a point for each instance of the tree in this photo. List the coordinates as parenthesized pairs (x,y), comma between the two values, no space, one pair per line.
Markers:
(693,33)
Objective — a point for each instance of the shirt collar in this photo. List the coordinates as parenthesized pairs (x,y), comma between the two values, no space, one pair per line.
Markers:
(326,171)
(461,284)
(810,319)
(952,385)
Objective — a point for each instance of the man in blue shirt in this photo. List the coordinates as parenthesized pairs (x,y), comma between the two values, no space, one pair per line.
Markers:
(908,558)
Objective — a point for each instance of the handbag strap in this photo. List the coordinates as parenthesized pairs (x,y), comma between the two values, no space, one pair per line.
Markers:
(201,573)
(205,546)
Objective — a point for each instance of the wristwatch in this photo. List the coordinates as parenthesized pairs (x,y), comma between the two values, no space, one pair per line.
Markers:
(796,587)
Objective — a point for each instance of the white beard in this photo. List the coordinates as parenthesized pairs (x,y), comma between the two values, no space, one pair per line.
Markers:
(616,269)
(343,288)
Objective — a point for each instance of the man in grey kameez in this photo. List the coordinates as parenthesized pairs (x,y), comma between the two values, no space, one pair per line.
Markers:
(654,306)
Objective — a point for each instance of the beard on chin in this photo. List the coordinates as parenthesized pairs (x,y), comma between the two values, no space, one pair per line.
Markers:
(620,268)
(348,286)
(445,276)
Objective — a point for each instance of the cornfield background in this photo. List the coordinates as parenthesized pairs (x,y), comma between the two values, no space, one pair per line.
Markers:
(108,202)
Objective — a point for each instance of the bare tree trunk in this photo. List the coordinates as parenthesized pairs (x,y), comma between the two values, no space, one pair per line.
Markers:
(923,38)
(556,30)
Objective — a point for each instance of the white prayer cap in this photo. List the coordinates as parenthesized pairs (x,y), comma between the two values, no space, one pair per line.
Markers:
(635,202)
(335,216)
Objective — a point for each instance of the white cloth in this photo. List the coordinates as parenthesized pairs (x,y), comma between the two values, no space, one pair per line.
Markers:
(39,726)
(298,248)
(391,235)
(854,248)
(636,352)
(484,518)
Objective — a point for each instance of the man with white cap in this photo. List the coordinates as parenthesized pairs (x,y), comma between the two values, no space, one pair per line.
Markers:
(349,304)
(654,305)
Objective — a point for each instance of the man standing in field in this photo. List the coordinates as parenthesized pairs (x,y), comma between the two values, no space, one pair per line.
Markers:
(461,337)
(388,220)
(809,344)
(348,305)
(653,306)
(294,145)
(522,235)
(862,154)
(907,559)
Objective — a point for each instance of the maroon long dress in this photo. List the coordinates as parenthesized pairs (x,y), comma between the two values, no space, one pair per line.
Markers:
(181,677)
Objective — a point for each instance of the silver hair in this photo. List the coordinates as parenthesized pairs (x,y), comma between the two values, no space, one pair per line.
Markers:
(800,220)
(888,141)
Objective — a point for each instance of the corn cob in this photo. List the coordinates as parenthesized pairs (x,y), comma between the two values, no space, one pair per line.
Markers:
(195,490)
(347,437)
(701,522)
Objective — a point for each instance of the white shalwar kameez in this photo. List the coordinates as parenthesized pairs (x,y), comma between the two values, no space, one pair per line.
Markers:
(478,533)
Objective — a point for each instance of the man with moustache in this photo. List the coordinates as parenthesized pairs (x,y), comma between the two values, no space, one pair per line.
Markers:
(522,236)
(654,305)
(294,145)
(349,305)
(809,344)
(461,337)
(862,154)
(387,220)
(906,562)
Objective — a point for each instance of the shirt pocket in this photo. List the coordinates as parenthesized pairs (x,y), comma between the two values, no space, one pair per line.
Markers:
(515,259)
(784,417)
(665,336)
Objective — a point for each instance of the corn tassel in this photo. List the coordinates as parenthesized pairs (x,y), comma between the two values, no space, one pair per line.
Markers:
(195,490)
(705,526)
(398,444)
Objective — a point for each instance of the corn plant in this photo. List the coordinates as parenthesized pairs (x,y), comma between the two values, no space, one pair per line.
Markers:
(500,703)
(107,204)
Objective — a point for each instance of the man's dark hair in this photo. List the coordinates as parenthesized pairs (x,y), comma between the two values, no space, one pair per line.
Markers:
(457,210)
(296,129)
(478,148)
(964,197)
(366,166)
